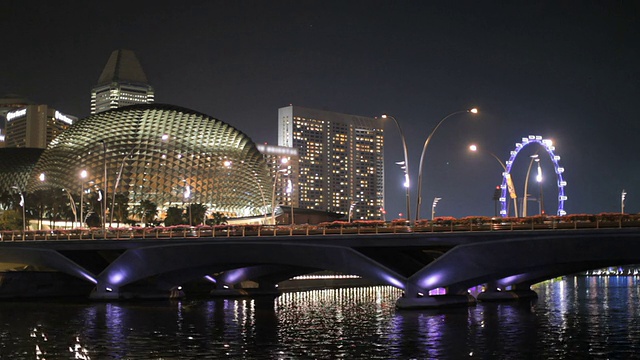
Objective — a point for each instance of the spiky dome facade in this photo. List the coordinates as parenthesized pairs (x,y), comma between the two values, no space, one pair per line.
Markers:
(161,153)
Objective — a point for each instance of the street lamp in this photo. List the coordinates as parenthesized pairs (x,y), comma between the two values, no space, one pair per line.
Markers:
(74,209)
(433,206)
(24,222)
(83,175)
(624,195)
(104,188)
(533,157)
(42,178)
(351,207)
(289,191)
(405,163)
(424,149)
(475,148)
(284,160)
(539,180)
(187,195)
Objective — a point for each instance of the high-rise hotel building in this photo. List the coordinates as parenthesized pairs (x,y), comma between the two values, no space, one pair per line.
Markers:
(9,103)
(341,161)
(122,83)
(35,126)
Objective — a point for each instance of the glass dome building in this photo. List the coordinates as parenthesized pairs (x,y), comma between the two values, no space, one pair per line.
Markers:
(160,153)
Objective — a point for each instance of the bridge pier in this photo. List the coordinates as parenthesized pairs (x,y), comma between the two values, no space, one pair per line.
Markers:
(414,299)
(110,292)
(104,292)
(515,293)
(264,289)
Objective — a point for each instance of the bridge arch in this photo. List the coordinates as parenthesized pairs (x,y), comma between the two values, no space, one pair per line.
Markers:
(559,170)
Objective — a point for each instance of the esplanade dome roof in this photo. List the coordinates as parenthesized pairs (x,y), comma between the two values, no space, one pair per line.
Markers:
(161,153)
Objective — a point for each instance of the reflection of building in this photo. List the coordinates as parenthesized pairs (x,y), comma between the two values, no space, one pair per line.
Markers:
(122,83)
(161,153)
(9,103)
(341,160)
(35,126)
(283,166)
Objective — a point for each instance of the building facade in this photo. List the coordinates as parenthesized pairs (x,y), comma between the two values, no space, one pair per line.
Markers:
(341,166)
(9,103)
(162,154)
(122,83)
(34,126)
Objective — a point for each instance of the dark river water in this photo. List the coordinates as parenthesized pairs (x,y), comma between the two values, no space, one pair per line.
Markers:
(573,318)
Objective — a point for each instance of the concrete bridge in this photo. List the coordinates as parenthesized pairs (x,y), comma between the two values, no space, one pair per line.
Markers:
(450,262)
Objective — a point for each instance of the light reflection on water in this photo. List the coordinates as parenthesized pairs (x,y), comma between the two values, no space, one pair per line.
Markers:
(578,317)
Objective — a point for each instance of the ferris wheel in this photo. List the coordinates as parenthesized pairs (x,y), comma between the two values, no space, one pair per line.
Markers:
(507,185)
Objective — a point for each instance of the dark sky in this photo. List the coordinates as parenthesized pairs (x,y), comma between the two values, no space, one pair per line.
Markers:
(565,70)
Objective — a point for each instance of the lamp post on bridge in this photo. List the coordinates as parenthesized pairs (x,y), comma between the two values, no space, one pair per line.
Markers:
(533,157)
(475,148)
(405,164)
(433,207)
(279,170)
(83,175)
(424,149)
(23,205)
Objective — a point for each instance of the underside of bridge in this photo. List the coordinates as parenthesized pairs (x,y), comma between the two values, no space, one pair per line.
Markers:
(510,264)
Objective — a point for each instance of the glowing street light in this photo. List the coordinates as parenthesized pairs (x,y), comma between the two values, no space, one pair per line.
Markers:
(283,161)
(539,180)
(433,206)
(475,148)
(22,203)
(187,195)
(533,157)
(424,149)
(83,176)
(624,195)
(405,165)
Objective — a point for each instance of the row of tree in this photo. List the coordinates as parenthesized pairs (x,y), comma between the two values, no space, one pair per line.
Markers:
(57,206)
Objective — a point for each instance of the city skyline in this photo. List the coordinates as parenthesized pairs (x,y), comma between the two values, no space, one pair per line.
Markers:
(564,72)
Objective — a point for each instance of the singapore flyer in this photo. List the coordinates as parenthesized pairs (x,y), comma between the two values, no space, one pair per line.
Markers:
(507,185)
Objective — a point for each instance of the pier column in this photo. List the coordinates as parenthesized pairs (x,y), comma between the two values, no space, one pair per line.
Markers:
(416,298)
(105,292)
(497,292)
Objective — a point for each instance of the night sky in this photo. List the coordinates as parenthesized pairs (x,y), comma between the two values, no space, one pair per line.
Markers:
(565,70)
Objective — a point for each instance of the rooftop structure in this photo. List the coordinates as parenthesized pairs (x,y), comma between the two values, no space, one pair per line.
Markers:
(122,83)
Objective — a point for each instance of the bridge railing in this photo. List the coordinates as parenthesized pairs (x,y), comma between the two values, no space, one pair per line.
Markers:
(334,228)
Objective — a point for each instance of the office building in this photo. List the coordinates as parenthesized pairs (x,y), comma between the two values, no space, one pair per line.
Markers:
(35,126)
(122,83)
(341,166)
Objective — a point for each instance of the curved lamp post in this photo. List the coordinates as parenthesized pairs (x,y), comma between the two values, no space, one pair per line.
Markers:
(283,160)
(83,175)
(424,149)
(433,206)
(406,164)
(22,203)
(474,148)
(104,188)
(526,185)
